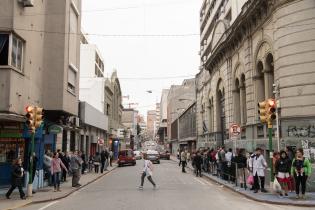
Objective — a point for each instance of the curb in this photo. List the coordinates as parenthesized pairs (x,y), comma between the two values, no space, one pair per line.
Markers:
(62,196)
(253,198)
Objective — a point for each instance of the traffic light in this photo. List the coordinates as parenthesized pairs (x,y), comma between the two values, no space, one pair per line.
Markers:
(30,117)
(38,117)
(271,110)
(262,111)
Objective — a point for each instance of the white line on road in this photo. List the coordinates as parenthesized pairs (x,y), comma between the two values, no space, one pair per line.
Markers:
(50,204)
(199,181)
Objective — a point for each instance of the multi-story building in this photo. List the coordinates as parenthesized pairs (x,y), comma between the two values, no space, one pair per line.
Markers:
(179,98)
(129,120)
(114,107)
(94,121)
(247,50)
(162,128)
(39,65)
(157,120)
(151,121)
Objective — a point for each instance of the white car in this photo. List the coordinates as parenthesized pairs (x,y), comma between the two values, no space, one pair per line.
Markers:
(137,155)
(153,155)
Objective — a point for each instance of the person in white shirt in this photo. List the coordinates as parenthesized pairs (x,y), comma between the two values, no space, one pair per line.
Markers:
(147,171)
(258,165)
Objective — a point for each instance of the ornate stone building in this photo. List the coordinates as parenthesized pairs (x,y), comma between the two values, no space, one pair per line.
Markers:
(248,51)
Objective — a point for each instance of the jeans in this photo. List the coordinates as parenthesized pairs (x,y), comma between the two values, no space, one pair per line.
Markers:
(22,194)
(198,170)
(104,166)
(149,178)
(183,166)
(64,175)
(300,180)
(56,180)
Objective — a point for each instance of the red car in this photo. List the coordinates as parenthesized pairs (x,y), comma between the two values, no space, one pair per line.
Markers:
(126,157)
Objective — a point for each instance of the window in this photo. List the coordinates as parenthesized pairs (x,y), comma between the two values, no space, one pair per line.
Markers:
(10,43)
(72,78)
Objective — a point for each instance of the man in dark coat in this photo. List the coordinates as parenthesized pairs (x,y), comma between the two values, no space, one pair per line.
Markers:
(198,162)
(104,157)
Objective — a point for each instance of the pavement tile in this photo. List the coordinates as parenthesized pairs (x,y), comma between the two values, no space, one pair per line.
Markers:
(47,193)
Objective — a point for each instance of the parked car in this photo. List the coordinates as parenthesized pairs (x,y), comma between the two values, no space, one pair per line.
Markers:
(153,155)
(165,155)
(126,157)
(137,155)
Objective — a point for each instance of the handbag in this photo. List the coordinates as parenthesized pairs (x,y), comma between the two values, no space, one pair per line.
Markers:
(250,180)
(276,186)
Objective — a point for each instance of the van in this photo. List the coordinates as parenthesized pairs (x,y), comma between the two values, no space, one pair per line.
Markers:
(126,157)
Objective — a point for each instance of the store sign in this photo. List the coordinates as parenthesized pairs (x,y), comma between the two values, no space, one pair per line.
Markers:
(55,129)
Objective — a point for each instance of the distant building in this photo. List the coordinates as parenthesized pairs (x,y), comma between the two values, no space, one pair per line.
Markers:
(151,124)
(180,97)
(129,120)
(162,128)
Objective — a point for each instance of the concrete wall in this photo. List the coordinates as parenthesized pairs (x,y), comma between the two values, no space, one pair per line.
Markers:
(91,116)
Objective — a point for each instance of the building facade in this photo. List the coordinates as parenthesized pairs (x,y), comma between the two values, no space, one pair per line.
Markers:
(258,50)
(130,122)
(39,65)
(162,129)
(178,99)
(113,109)
(151,124)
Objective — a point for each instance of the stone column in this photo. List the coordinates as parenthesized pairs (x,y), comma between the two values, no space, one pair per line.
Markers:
(243,108)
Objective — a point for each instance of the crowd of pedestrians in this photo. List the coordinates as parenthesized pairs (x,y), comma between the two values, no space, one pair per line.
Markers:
(290,169)
(58,166)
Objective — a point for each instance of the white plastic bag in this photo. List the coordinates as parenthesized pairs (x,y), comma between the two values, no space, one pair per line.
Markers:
(276,186)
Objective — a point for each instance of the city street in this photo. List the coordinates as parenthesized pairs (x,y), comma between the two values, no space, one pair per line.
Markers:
(118,190)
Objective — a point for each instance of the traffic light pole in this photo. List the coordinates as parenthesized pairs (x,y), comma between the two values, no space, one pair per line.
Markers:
(30,181)
(270,153)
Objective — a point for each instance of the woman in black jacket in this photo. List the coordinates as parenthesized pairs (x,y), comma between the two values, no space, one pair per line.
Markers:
(241,162)
(17,179)
(282,170)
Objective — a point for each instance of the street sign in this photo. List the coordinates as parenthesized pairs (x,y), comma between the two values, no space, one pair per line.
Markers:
(100,142)
(235,131)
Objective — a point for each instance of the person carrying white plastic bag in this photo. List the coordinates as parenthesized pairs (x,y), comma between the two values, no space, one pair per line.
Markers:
(276,186)
(147,171)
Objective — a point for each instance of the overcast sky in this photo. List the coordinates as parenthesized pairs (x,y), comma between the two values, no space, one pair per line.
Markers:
(145,56)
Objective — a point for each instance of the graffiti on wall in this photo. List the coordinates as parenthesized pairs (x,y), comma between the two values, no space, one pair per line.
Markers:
(301,131)
(308,149)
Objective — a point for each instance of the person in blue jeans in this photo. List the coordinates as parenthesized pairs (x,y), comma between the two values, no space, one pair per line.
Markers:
(56,165)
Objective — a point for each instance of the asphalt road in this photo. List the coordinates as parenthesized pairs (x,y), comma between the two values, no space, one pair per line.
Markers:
(119,191)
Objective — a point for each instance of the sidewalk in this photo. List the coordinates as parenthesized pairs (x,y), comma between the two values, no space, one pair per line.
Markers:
(47,194)
(269,197)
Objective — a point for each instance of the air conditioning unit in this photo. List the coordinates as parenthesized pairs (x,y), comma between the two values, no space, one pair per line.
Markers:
(27,3)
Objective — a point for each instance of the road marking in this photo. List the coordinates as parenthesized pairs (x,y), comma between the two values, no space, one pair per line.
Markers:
(50,204)
(199,181)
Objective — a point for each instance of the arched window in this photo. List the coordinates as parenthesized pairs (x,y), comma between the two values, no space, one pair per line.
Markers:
(269,76)
(220,111)
(210,115)
(237,105)
(260,83)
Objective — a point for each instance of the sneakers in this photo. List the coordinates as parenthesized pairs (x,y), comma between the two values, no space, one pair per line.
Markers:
(155,187)
(297,196)
(23,198)
(140,187)
(303,197)
(8,197)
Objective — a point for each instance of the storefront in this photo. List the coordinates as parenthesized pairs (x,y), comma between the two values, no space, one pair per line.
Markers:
(12,146)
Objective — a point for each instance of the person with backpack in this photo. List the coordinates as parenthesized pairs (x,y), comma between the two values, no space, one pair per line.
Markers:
(282,171)
(17,179)
(147,171)
(301,169)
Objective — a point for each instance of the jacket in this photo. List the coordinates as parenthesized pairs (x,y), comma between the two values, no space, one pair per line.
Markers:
(17,175)
(306,166)
(75,162)
(241,161)
(183,156)
(56,165)
(198,160)
(283,165)
(258,165)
